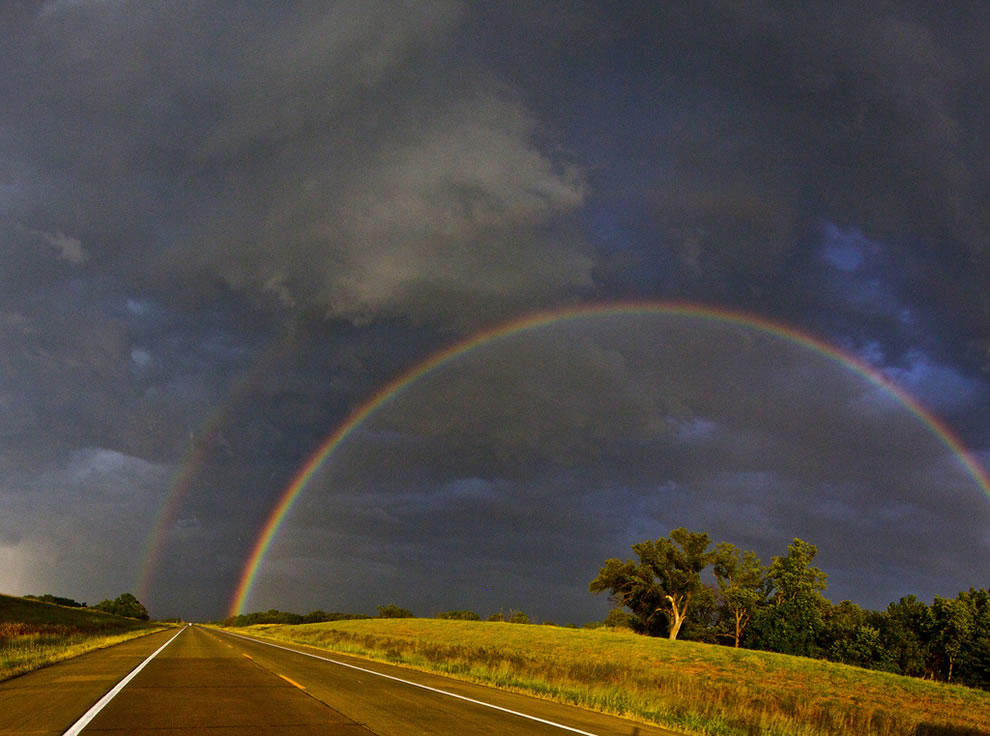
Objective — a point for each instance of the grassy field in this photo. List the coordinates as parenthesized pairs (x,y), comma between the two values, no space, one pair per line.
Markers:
(697,688)
(34,634)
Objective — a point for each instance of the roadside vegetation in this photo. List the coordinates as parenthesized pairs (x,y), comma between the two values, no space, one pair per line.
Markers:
(682,588)
(35,632)
(694,687)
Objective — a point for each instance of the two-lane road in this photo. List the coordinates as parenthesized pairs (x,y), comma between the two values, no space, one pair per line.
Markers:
(212,682)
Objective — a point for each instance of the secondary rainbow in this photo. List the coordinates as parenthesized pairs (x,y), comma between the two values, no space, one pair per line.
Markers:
(195,458)
(542,319)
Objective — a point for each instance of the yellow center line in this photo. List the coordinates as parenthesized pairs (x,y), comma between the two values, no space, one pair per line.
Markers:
(247,655)
(291,681)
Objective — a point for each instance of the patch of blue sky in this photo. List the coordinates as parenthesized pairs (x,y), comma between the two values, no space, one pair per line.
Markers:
(141,357)
(847,249)
(938,387)
(695,429)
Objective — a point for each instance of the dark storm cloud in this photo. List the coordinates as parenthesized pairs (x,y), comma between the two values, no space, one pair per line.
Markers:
(315,156)
(223,226)
(857,115)
(743,129)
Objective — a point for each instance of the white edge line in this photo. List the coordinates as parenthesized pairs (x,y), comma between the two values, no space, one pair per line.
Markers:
(89,715)
(415,684)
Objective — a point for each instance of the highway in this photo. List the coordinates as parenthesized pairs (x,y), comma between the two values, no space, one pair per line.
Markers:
(205,681)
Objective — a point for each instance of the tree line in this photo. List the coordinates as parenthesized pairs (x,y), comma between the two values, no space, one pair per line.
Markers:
(123,605)
(391,610)
(781,607)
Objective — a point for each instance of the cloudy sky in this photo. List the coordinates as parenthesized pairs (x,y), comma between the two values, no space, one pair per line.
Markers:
(224,227)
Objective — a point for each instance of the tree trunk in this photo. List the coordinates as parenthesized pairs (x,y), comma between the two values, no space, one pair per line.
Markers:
(677,616)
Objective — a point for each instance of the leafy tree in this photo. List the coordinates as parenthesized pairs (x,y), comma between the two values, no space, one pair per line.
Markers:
(124,605)
(618,619)
(660,588)
(702,618)
(518,617)
(460,615)
(905,632)
(742,583)
(793,576)
(973,664)
(850,637)
(954,622)
(792,622)
(394,611)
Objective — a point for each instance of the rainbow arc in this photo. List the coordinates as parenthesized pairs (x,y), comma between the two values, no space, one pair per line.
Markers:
(404,381)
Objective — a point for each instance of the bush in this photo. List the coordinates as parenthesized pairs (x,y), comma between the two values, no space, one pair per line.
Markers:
(459,615)
(394,611)
(124,605)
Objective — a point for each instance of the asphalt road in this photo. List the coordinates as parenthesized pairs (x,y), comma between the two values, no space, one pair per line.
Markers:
(211,682)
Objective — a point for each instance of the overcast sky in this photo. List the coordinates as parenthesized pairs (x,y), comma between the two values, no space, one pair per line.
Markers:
(225,226)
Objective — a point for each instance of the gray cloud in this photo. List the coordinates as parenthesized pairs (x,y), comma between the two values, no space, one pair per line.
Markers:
(335,162)
(223,227)
(861,113)
(91,552)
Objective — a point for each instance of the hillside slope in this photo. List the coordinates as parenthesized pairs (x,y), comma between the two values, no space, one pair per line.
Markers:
(700,688)
(34,633)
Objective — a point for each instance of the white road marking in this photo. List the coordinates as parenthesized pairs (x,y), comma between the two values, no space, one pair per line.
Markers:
(89,715)
(416,684)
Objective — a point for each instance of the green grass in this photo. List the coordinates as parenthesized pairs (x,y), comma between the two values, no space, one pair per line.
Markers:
(697,688)
(34,634)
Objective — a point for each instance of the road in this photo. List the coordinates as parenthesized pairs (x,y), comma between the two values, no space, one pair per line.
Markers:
(211,682)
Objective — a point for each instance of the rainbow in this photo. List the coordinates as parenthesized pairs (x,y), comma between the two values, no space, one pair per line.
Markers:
(541,319)
(188,470)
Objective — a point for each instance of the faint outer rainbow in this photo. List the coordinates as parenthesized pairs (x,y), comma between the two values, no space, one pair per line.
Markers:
(189,468)
(542,319)
(196,456)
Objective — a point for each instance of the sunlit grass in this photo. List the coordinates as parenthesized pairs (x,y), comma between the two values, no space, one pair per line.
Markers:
(698,688)
(35,634)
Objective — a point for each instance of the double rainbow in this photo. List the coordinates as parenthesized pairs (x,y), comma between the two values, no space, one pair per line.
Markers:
(458,350)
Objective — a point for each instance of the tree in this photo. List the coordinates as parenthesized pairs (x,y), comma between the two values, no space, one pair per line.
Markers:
(460,615)
(906,631)
(700,623)
(742,583)
(793,576)
(850,637)
(394,611)
(953,621)
(973,665)
(792,622)
(618,619)
(664,581)
(124,605)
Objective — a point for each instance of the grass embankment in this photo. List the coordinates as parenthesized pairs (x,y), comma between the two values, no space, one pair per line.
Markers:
(34,634)
(698,688)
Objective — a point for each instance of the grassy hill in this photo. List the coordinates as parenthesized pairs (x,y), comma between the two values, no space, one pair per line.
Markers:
(34,633)
(699,688)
